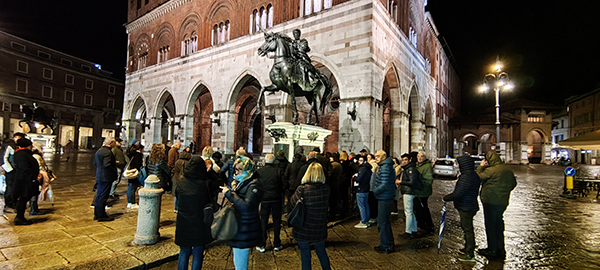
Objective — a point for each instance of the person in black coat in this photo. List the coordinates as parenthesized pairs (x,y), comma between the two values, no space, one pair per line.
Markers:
(106,173)
(191,233)
(245,192)
(291,179)
(465,201)
(315,195)
(271,178)
(26,184)
(157,165)
(136,161)
(362,184)
(409,181)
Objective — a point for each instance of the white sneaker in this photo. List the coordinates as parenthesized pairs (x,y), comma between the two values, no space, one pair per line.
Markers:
(107,207)
(372,221)
(361,225)
(261,249)
(278,248)
(132,206)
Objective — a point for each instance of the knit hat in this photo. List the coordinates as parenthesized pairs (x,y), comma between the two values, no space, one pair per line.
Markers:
(23,142)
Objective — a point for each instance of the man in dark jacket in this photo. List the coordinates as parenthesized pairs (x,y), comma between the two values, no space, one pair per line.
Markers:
(271,178)
(421,207)
(106,173)
(384,193)
(26,184)
(280,160)
(362,182)
(325,163)
(465,201)
(121,162)
(310,158)
(410,181)
(291,179)
(497,181)
(334,184)
(8,151)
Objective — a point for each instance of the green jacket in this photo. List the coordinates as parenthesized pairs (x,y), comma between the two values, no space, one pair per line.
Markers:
(427,176)
(497,180)
(119,156)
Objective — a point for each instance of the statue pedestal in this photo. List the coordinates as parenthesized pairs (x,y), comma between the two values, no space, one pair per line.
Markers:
(287,137)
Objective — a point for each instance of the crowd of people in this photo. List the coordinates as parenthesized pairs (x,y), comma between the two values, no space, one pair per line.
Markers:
(331,186)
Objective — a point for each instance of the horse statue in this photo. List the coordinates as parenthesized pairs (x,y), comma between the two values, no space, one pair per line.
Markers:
(37,115)
(293,73)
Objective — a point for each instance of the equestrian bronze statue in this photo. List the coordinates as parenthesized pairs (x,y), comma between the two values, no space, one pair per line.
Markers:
(37,115)
(293,73)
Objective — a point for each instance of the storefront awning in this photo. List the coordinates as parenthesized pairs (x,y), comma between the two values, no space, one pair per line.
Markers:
(590,140)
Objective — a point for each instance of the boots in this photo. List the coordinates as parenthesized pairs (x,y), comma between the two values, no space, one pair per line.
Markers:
(33,205)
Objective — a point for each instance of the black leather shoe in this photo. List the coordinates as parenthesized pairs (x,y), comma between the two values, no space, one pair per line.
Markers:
(491,254)
(103,219)
(384,250)
(19,222)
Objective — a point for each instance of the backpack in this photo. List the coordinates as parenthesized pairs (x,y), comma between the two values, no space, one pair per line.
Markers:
(142,175)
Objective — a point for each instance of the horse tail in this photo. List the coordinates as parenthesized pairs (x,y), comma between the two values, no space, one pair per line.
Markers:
(327,92)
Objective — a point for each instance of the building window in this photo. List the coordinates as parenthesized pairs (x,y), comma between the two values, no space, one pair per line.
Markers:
(163,54)
(44,55)
(89,84)
(17,46)
(393,9)
(22,66)
(86,68)
(262,17)
(69,79)
(110,103)
(220,33)
(87,99)
(47,73)
(22,85)
(66,62)
(69,95)
(311,6)
(413,36)
(111,89)
(47,91)
(190,44)
(535,118)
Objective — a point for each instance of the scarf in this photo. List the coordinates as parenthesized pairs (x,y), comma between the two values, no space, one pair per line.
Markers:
(247,171)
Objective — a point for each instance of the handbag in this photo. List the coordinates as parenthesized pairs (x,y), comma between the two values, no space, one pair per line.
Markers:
(224,225)
(131,173)
(296,216)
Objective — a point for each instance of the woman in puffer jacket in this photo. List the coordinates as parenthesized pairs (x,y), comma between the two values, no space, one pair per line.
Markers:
(157,165)
(245,193)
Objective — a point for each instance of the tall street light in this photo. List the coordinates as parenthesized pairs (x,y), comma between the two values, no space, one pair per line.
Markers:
(498,80)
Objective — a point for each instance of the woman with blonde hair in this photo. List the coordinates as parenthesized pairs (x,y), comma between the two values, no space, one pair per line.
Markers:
(315,196)
(207,153)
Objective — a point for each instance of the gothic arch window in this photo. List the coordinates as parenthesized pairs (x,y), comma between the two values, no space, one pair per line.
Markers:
(313,6)
(413,36)
(188,34)
(189,44)
(261,17)
(142,52)
(393,9)
(221,32)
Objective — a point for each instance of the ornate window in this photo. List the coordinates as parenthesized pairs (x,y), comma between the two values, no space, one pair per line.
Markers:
(262,17)
(393,9)
(312,6)
(190,44)
(163,54)
(413,36)
(220,33)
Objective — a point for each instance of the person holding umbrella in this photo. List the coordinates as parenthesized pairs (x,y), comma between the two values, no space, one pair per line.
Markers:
(465,201)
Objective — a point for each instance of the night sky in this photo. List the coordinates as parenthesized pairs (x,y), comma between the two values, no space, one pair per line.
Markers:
(549,48)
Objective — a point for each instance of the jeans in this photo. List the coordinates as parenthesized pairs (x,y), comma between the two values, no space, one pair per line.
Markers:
(362,200)
(116,182)
(466,223)
(386,237)
(411,220)
(266,208)
(184,257)
(240,258)
(100,199)
(494,226)
(421,209)
(305,255)
(131,191)
(9,200)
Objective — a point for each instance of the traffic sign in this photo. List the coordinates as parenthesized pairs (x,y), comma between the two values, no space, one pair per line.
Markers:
(570,171)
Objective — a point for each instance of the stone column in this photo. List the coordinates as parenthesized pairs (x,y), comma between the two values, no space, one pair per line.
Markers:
(524,159)
(224,135)
(149,212)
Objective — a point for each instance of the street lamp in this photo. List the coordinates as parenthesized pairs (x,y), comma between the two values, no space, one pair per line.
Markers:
(498,79)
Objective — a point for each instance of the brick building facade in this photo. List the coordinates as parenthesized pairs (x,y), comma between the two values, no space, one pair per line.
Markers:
(85,100)
(194,74)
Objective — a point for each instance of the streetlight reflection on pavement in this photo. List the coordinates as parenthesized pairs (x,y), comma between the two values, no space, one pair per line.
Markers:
(497,79)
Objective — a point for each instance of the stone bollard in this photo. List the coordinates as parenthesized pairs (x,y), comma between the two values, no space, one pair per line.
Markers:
(149,212)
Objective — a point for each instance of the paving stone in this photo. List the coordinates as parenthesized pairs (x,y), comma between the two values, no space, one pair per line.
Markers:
(43,261)
(45,247)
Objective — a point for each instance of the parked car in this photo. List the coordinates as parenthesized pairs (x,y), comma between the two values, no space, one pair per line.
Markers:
(446,167)
(478,159)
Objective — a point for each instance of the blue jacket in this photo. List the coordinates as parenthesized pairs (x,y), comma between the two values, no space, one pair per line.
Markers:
(246,201)
(106,165)
(385,182)
(363,178)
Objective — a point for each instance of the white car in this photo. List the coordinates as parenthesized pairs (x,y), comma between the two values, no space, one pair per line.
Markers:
(446,167)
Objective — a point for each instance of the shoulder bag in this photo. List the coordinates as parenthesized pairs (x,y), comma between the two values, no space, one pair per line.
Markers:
(296,216)
(224,225)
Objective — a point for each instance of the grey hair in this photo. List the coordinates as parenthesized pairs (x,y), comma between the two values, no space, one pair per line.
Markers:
(108,140)
(269,158)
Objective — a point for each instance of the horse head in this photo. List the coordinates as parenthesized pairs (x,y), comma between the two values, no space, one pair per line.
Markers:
(269,45)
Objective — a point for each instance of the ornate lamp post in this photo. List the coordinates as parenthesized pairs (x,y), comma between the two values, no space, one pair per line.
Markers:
(498,80)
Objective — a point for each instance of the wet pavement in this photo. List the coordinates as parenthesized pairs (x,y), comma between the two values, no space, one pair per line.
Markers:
(543,231)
